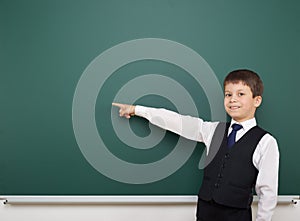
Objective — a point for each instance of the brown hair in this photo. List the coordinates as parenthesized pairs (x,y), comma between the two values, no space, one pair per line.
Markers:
(249,78)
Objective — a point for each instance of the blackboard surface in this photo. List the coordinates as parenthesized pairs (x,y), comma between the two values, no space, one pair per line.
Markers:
(47,47)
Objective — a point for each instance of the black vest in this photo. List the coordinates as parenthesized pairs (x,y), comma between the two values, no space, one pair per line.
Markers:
(230,177)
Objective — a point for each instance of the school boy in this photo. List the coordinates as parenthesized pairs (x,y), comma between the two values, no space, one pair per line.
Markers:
(245,158)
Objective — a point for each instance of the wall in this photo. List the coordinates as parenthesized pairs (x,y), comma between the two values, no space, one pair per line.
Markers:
(178,212)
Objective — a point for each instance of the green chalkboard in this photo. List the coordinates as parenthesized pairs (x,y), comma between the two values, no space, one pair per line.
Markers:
(48,50)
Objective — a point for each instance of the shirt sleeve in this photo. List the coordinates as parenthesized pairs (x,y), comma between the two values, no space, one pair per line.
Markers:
(267,163)
(192,128)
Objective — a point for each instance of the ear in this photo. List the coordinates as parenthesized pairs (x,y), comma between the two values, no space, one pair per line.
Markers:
(257,101)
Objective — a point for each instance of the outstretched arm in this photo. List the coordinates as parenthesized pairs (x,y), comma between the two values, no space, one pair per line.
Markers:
(189,127)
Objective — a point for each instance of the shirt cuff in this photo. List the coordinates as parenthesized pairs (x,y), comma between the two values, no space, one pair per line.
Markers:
(140,111)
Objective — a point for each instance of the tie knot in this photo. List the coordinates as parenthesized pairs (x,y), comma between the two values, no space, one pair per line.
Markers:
(236,127)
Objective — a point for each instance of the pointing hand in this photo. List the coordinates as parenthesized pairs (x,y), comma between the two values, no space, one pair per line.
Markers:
(125,110)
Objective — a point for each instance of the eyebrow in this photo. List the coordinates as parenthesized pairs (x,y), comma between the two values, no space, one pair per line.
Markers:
(238,91)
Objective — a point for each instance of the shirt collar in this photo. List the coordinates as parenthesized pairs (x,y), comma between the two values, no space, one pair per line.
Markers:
(247,125)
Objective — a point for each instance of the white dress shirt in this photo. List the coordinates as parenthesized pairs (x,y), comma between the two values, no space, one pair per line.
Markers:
(265,157)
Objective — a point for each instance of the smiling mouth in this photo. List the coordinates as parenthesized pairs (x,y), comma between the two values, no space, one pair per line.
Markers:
(234,107)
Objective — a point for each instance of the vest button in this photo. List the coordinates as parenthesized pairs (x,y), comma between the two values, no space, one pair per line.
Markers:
(226,155)
(220,175)
(217,185)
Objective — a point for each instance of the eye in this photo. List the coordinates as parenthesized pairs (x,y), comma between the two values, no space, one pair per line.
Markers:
(241,94)
(227,95)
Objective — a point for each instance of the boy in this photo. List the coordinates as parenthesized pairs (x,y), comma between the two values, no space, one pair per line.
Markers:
(246,157)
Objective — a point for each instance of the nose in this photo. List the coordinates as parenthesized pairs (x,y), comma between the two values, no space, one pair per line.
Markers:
(233,98)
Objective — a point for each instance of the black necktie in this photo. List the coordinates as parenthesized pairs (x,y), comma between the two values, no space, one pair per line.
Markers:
(231,137)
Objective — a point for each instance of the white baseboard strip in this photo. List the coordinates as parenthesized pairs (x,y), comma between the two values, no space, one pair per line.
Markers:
(142,199)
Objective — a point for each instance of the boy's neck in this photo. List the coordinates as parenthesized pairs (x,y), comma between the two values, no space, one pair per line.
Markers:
(242,121)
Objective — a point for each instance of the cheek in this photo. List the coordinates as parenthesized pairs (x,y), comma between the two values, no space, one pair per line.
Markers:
(225,103)
(250,105)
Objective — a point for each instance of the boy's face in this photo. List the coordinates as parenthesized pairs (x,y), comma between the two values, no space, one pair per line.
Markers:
(239,102)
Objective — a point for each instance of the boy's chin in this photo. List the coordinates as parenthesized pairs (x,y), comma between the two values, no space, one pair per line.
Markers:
(235,117)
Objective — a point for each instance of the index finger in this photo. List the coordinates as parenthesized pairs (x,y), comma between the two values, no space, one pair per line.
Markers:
(118,105)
